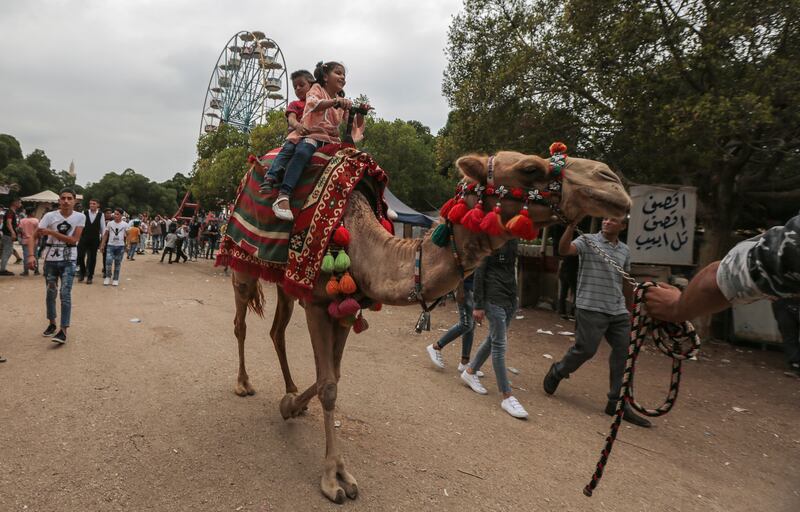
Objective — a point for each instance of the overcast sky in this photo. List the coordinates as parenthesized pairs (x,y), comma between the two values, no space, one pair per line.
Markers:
(113,84)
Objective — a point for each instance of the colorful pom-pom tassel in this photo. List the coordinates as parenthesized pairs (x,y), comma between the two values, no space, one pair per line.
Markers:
(342,262)
(346,284)
(328,263)
(333,310)
(388,226)
(521,226)
(341,236)
(349,306)
(472,220)
(458,211)
(558,147)
(492,223)
(446,207)
(441,235)
(360,325)
(347,321)
(333,288)
(376,306)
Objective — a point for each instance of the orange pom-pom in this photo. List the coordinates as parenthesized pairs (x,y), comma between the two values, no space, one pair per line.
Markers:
(521,226)
(346,284)
(492,223)
(341,236)
(349,306)
(445,209)
(388,226)
(458,211)
(558,147)
(472,220)
(333,287)
(376,306)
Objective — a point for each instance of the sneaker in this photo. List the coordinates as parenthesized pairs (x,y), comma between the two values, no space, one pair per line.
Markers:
(512,406)
(80,278)
(282,213)
(435,355)
(60,337)
(6,273)
(462,367)
(36,272)
(114,283)
(88,280)
(2,359)
(51,329)
(473,382)
(106,281)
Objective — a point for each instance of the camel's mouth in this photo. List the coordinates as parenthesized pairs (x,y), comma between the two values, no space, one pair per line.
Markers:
(603,204)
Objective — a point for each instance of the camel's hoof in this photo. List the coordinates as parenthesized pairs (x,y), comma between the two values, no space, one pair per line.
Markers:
(351,490)
(244,390)
(336,495)
(286,405)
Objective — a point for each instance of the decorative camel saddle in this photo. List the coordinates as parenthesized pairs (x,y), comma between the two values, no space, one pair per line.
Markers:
(291,254)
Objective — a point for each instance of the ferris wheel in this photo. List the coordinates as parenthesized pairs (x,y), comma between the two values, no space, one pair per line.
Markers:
(249,80)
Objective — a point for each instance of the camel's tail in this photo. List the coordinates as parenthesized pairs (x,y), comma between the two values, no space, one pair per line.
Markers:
(248,289)
(256,302)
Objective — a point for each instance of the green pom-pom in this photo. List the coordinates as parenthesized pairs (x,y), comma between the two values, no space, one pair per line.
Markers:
(342,262)
(441,235)
(328,263)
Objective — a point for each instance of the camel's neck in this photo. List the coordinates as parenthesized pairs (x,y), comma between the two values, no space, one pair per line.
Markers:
(383,266)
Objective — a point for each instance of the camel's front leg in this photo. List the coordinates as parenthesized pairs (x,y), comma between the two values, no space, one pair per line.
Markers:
(245,289)
(348,481)
(323,332)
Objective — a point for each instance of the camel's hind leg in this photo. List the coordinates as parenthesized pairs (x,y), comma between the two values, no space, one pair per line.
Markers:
(283,313)
(246,292)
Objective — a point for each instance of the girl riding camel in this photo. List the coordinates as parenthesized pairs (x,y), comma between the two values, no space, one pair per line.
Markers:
(325,110)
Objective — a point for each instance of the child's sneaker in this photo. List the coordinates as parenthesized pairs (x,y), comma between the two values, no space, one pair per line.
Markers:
(282,213)
(472,381)
(512,406)
(435,355)
(462,367)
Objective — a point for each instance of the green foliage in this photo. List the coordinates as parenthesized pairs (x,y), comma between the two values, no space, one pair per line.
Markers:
(132,192)
(265,137)
(9,150)
(406,151)
(693,92)
(19,172)
(180,183)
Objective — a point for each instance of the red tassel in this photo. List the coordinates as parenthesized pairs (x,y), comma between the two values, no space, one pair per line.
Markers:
(445,209)
(458,211)
(376,306)
(360,325)
(472,220)
(492,223)
(388,226)
(341,236)
(557,147)
(521,226)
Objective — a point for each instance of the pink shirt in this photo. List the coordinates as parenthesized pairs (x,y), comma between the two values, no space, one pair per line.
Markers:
(323,125)
(28,227)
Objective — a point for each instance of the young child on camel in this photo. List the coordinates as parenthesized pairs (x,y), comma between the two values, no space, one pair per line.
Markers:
(324,111)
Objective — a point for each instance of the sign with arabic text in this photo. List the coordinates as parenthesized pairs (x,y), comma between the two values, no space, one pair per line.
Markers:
(661,228)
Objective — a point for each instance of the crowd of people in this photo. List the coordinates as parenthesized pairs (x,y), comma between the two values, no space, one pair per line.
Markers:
(68,240)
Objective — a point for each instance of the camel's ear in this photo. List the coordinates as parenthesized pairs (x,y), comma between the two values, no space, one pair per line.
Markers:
(532,166)
(472,166)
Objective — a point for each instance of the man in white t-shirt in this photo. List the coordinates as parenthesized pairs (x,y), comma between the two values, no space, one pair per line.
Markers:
(63,229)
(114,237)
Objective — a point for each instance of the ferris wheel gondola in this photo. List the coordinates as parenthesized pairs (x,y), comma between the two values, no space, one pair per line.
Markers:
(248,81)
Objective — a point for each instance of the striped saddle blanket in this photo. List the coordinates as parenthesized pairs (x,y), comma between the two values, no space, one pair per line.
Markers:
(290,253)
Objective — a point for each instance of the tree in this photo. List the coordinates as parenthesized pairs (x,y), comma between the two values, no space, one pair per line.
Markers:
(48,179)
(692,92)
(19,172)
(132,192)
(406,150)
(9,150)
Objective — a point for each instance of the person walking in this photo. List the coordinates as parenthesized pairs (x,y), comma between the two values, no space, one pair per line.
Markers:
(90,241)
(27,230)
(9,235)
(63,229)
(133,237)
(464,328)
(601,310)
(496,299)
(114,241)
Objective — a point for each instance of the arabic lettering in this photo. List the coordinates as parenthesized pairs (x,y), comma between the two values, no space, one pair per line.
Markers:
(664,223)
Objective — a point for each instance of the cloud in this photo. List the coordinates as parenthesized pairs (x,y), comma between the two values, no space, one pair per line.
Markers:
(117,84)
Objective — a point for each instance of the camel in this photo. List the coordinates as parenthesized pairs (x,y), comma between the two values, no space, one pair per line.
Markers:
(383,268)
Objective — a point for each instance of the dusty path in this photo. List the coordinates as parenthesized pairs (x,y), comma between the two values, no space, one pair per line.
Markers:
(142,416)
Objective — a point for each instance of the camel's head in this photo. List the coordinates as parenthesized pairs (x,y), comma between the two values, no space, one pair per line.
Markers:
(587,187)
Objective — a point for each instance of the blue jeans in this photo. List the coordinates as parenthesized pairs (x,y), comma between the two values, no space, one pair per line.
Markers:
(114,255)
(297,155)
(6,249)
(156,244)
(53,270)
(499,319)
(464,328)
(25,253)
(193,248)
(132,250)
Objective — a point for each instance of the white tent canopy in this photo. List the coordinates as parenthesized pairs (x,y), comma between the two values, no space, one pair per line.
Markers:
(45,196)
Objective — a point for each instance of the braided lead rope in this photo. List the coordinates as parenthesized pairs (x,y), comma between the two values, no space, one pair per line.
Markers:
(642,326)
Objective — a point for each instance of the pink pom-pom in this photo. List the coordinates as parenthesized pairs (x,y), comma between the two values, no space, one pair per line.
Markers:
(349,306)
(333,310)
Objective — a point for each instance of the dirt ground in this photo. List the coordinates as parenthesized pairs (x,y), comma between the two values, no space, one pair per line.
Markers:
(142,416)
